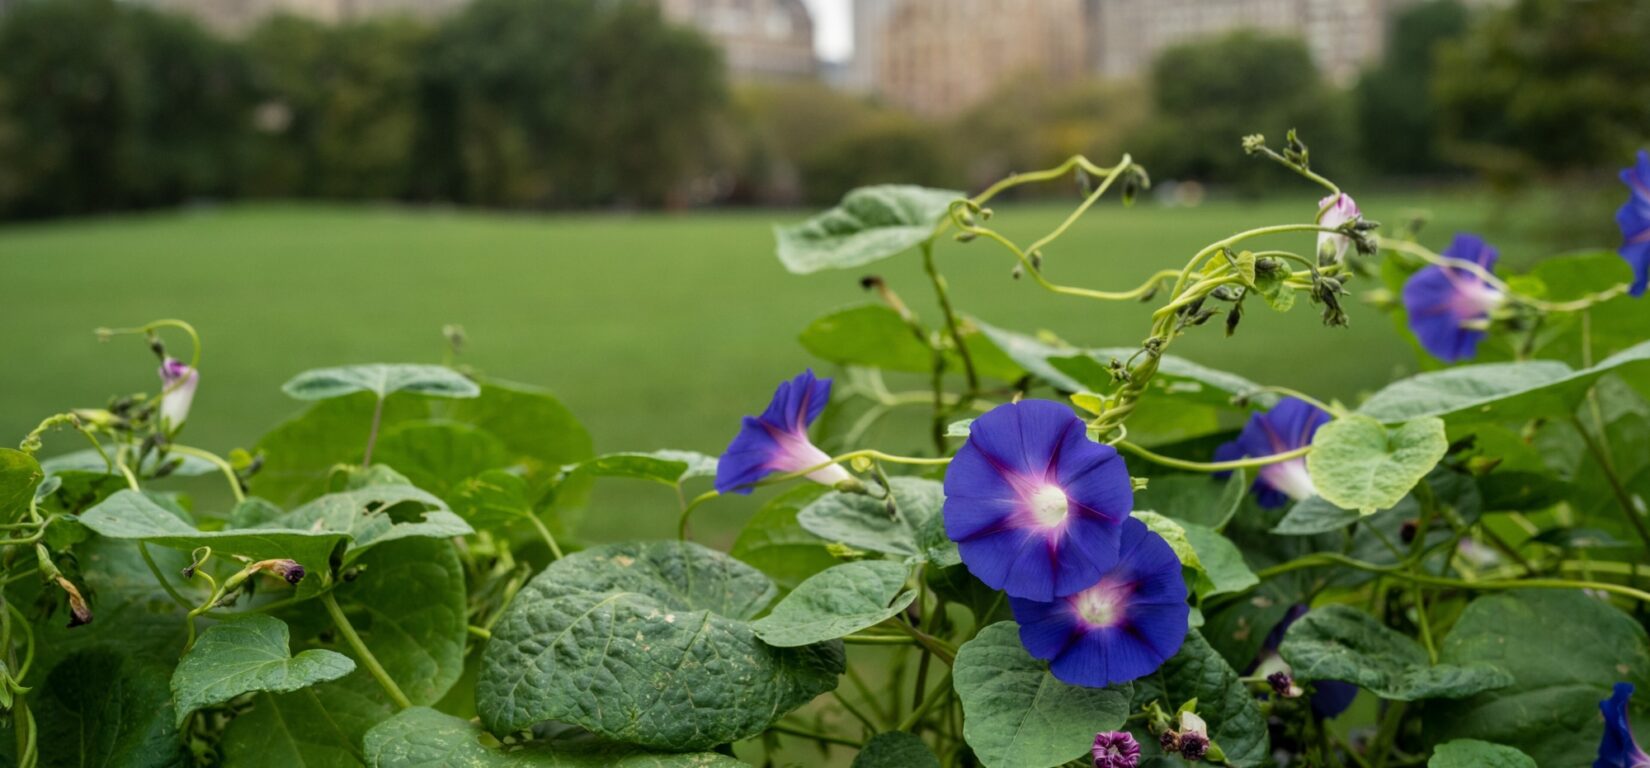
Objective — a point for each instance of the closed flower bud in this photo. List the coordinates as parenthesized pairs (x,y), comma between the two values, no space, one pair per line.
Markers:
(1169,741)
(1284,685)
(177,394)
(79,612)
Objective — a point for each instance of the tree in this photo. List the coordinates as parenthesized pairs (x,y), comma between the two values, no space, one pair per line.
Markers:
(105,105)
(1209,93)
(1397,121)
(540,102)
(338,107)
(1548,86)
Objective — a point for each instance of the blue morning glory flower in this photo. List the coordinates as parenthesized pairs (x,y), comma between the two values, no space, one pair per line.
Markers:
(1124,627)
(1634,219)
(777,441)
(1618,749)
(1034,505)
(1289,425)
(1449,308)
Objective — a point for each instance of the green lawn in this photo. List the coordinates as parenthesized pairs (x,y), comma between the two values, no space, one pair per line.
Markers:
(658,330)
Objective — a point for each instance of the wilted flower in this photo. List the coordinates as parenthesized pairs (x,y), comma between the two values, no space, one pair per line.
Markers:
(1329,697)
(178,383)
(1288,426)
(290,570)
(1333,248)
(1283,684)
(1115,749)
(1034,505)
(1634,219)
(1123,627)
(79,612)
(1618,748)
(777,441)
(1449,307)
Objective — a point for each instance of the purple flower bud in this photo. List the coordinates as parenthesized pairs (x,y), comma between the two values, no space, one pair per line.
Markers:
(286,569)
(1333,248)
(1115,749)
(178,382)
(1193,746)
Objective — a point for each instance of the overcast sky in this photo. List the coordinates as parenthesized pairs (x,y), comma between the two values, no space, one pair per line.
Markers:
(833,28)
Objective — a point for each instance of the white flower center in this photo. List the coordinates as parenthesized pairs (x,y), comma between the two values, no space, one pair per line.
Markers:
(1100,605)
(1049,506)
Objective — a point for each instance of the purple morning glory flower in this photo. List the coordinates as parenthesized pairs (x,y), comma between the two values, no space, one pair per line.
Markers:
(1125,626)
(178,382)
(1034,505)
(777,441)
(1450,307)
(1115,749)
(1634,219)
(1289,425)
(1618,749)
(1332,247)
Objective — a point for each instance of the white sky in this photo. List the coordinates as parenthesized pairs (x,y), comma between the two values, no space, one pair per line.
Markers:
(833,28)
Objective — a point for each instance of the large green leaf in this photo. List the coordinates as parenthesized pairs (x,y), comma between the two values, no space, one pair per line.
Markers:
(1222,564)
(871,223)
(425,738)
(1472,753)
(1338,642)
(648,643)
(1016,714)
(895,749)
(20,474)
(1565,651)
(408,604)
(102,709)
(89,460)
(381,379)
(245,655)
(1495,391)
(375,514)
(438,456)
(774,543)
(665,467)
(911,526)
(300,454)
(840,601)
(130,515)
(1357,463)
(1223,701)
(1314,515)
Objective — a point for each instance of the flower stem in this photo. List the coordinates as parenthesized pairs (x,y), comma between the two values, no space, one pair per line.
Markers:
(1213,466)
(223,466)
(544,532)
(372,435)
(792,730)
(367,659)
(1326,559)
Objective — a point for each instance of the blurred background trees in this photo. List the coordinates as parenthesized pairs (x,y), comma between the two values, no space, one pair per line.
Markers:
(108,105)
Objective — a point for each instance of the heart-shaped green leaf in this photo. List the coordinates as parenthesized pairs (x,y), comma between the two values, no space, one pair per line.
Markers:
(381,379)
(1338,642)
(840,601)
(648,643)
(870,224)
(245,655)
(1015,714)
(1357,463)
(424,738)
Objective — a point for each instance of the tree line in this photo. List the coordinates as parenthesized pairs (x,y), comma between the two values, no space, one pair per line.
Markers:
(108,105)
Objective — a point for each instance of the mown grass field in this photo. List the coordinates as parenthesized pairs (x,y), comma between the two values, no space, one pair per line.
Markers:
(657,330)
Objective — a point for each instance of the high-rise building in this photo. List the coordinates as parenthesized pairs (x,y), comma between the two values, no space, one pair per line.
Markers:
(936,57)
(1343,35)
(760,39)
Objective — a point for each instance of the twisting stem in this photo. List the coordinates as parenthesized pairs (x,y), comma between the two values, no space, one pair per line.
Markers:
(544,532)
(943,293)
(1213,466)
(1327,559)
(367,659)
